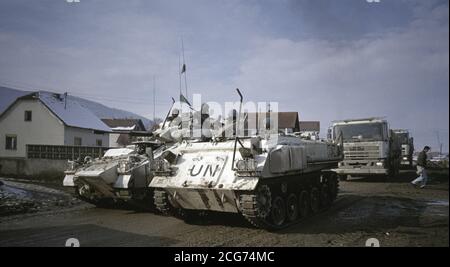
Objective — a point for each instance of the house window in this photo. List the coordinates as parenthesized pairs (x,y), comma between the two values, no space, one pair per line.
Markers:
(11,142)
(28,115)
(77,141)
(99,142)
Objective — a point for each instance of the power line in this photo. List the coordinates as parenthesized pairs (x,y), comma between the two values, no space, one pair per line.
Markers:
(120,100)
(98,97)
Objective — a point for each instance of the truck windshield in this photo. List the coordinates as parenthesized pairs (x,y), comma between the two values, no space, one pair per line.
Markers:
(360,132)
(403,138)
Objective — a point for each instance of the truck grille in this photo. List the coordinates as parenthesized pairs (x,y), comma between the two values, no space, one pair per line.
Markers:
(361,152)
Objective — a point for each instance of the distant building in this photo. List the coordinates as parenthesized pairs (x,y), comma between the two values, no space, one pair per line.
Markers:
(309,126)
(125,131)
(44,118)
(310,129)
(288,122)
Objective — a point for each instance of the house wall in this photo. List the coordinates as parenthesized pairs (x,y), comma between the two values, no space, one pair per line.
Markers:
(88,137)
(44,129)
(113,140)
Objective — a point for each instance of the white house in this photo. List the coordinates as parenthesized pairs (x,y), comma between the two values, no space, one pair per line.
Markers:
(44,118)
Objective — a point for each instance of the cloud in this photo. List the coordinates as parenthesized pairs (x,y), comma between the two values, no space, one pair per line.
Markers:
(326,59)
(112,49)
(401,74)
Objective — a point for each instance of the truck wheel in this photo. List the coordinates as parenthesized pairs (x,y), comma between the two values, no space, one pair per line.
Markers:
(325,198)
(333,186)
(342,177)
(315,200)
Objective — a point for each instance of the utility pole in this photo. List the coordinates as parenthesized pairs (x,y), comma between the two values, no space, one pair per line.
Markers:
(439,143)
(154,99)
(65,100)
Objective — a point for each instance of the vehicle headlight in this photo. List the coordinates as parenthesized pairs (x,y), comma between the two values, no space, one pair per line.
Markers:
(246,165)
(241,165)
(379,164)
(123,166)
(405,158)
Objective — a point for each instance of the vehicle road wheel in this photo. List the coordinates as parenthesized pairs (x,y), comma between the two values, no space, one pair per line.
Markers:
(278,213)
(292,207)
(343,177)
(264,201)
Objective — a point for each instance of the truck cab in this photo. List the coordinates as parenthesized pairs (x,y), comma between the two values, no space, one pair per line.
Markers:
(407,145)
(370,147)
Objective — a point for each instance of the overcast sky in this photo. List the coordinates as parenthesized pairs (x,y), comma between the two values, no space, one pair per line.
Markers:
(325,59)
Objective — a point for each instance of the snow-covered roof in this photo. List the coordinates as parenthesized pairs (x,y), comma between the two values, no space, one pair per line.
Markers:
(131,128)
(124,124)
(70,111)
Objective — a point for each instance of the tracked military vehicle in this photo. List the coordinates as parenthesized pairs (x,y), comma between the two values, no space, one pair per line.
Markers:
(273,180)
(122,174)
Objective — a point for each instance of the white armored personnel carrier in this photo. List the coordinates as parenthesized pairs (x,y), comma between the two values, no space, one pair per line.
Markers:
(273,180)
(122,174)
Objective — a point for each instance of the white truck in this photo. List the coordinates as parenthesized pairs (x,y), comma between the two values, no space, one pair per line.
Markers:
(407,143)
(370,147)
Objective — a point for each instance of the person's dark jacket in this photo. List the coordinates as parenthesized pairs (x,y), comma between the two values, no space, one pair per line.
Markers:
(422,159)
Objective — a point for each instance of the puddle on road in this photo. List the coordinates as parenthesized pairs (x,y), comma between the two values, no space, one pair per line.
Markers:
(16,192)
(382,212)
(386,212)
(438,203)
(437,208)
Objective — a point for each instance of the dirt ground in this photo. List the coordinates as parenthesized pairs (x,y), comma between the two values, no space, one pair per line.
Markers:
(392,211)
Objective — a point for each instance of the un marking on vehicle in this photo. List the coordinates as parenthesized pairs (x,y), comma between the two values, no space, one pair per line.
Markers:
(205,170)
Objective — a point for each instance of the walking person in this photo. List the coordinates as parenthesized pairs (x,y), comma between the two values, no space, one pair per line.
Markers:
(421,168)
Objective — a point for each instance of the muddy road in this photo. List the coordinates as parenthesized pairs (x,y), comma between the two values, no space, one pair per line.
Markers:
(392,211)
